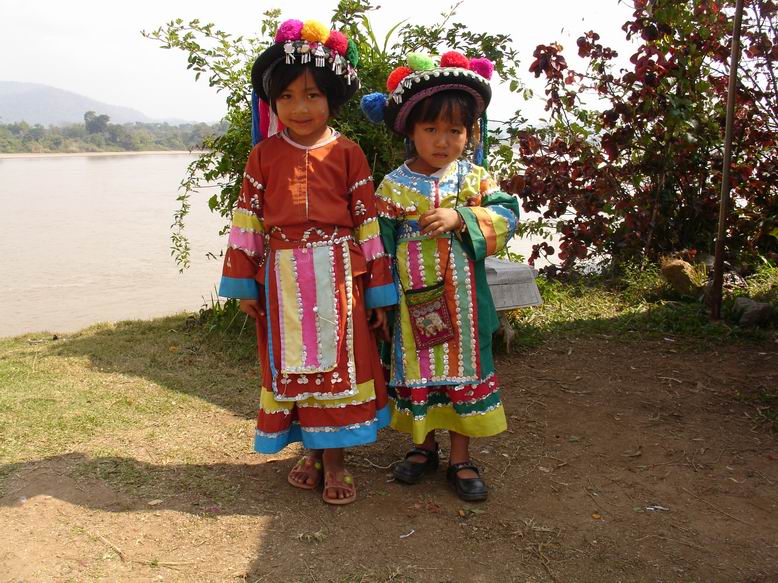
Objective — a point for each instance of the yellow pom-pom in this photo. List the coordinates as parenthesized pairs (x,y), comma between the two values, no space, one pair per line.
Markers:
(315,32)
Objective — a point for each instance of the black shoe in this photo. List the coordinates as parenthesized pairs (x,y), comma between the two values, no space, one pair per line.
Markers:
(469,489)
(410,472)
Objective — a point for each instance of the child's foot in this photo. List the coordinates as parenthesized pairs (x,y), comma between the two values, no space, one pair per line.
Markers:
(339,487)
(417,462)
(467,481)
(306,473)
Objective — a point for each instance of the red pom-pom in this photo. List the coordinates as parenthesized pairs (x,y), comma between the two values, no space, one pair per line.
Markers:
(338,42)
(454,59)
(396,76)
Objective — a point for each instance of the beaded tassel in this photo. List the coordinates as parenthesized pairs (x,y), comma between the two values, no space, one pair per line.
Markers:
(256,136)
(289,51)
(320,55)
(485,141)
(482,147)
(305,49)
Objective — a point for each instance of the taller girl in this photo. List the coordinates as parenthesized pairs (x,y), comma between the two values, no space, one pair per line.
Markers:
(306,260)
(441,215)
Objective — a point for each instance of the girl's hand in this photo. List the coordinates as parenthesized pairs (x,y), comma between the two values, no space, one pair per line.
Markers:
(438,221)
(376,319)
(253,308)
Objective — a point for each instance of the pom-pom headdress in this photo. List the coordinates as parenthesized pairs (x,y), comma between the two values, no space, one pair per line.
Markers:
(421,77)
(300,42)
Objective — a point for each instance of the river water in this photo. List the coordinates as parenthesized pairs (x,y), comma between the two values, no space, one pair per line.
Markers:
(86,239)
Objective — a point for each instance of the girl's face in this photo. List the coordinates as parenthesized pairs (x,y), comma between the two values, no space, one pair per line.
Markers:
(438,143)
(304,110)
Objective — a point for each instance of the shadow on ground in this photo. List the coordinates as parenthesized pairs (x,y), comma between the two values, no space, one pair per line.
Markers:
(177,355)
(625,461)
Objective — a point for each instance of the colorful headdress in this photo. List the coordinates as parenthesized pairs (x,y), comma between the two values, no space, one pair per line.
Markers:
(421,77)
(300,42)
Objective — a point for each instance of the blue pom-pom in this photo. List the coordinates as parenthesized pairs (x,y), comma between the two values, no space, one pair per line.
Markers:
(373,106)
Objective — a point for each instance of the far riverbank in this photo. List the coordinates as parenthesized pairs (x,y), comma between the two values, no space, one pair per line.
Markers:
(95,154)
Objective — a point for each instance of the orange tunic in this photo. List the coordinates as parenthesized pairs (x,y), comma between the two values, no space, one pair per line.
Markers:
(305,240)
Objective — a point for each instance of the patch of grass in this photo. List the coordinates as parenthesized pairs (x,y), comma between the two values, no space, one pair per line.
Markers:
(763,285)
(213,484)
(637,304)
(48,402)
(58,394)
(639,285)
(152,379)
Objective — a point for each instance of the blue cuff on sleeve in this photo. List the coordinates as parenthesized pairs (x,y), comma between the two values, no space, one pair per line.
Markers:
(380,296)
(242,288)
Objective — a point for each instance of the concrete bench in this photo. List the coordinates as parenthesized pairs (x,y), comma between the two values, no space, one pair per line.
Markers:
(512,284)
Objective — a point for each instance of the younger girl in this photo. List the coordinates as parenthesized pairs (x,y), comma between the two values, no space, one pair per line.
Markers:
(440,217)
(306,260)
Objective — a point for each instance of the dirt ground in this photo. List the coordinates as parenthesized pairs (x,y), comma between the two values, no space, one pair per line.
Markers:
(624,462)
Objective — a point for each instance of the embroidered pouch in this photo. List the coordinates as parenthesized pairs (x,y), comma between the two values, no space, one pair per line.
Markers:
(429,315)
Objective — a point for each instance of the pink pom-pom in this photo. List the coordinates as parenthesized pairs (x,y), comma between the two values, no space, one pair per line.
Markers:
(396,76)
(454,59)
(289,30)
(482,66)
(338,42)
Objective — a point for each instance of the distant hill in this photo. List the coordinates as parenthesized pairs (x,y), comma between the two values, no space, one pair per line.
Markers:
(45,105)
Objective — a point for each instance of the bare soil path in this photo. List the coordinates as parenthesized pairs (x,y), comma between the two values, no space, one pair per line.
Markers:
(624,461)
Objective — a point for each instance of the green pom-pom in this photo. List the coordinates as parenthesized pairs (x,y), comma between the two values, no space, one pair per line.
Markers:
(352,53)
(420,62)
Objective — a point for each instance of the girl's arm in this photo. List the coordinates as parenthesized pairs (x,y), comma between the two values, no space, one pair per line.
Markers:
(488,227)
(379,289)
(246,243)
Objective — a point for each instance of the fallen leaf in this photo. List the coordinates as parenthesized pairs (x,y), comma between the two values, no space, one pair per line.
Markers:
(468,512)
(312,537)
(154,502)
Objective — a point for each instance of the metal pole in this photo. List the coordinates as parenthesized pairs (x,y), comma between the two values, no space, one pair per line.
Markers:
(718,263)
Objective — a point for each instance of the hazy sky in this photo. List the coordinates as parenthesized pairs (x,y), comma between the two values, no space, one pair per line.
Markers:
(95,47)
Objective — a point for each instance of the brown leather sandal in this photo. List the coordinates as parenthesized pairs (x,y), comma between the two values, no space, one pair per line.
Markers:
(303,466)
(346,484)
